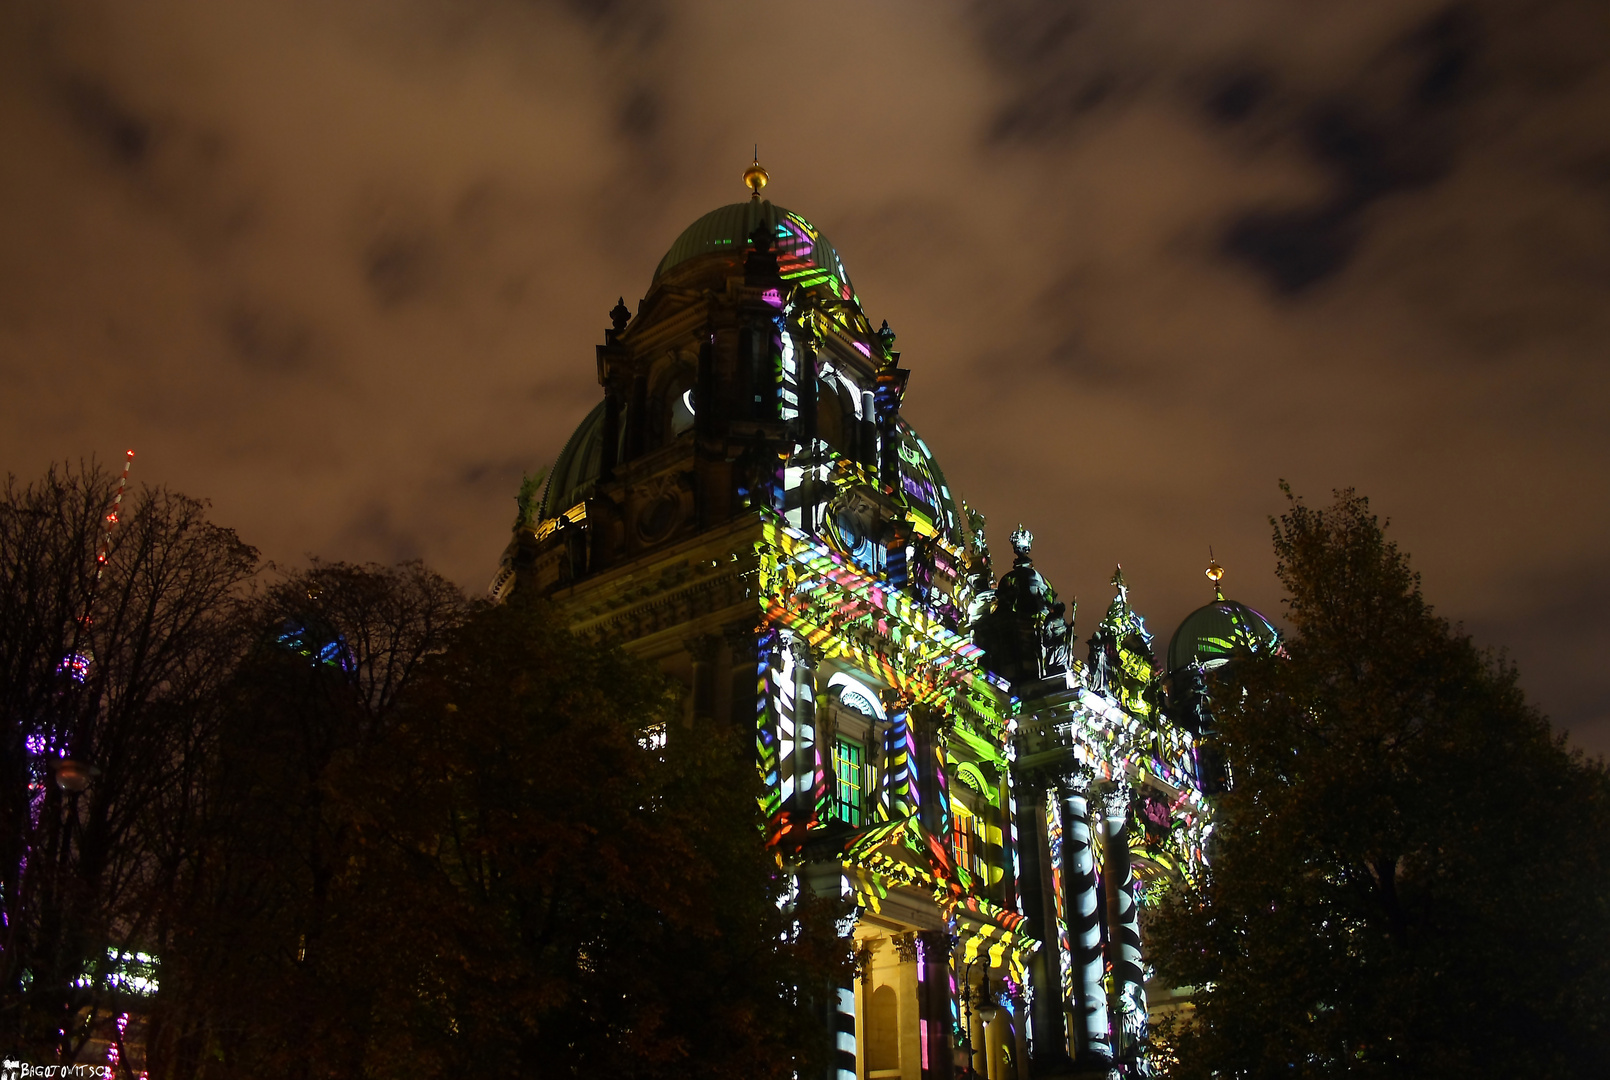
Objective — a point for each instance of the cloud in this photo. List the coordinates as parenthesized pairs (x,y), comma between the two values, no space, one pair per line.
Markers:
(266,340)
(342,266)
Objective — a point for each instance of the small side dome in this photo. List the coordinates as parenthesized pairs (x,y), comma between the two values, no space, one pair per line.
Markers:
(928,496)
(1215,633)
(577,469)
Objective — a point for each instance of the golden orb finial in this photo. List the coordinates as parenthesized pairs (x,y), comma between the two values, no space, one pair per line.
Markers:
(755,176)
(1215,574)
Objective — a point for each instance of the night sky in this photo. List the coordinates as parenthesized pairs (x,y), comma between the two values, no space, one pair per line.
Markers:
(340,266)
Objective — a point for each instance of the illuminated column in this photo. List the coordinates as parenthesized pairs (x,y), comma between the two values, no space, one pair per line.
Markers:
(1011,861)
(844,1046)
(886,398)
(929,726)
(902,790)
(1090,1016)
(758,701)
(827,733)
(837,1004)
(936,1038)
(1046,1019)
(807,389)
(1129,991)
(805,742)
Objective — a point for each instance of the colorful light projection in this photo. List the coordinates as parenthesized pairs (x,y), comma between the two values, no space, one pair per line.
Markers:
(840,608)
(329,649)
(898,638)
(804,259)
(923,484)
(855,694)
(833,596)
(798,793)
(1053,832)
(815,596)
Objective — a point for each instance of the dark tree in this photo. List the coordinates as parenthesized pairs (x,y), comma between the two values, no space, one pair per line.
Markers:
(118,672)
(254,981)
(568,880)
(493,865)
(1412,872)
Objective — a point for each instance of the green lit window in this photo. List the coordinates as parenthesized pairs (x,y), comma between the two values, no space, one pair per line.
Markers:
(848,768)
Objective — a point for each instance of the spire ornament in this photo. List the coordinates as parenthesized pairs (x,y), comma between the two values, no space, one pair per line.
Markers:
(756,177)
(1215,574)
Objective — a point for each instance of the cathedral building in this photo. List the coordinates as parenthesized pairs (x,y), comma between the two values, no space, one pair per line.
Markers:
(750,508)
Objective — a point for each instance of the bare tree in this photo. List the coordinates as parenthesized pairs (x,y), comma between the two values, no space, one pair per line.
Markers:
(260,969)
(109,693)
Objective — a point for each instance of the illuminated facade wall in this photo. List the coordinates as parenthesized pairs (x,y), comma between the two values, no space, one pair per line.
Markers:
(749,507)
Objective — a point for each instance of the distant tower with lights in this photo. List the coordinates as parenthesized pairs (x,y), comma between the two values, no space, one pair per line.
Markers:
(750,507)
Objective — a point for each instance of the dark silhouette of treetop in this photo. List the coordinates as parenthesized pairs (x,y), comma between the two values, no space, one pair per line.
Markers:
(1411,875)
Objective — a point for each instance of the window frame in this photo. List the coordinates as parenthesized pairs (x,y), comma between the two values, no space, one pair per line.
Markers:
(843,807)
(967,840)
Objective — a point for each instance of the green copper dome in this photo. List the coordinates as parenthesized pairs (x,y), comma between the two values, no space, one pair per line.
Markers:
(804,255)
(577,469)
(1213,634)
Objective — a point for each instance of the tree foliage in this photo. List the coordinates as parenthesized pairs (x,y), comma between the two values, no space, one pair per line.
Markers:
(369,828)
(489,865)
(1412,873)
(603,901)
(253,976)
